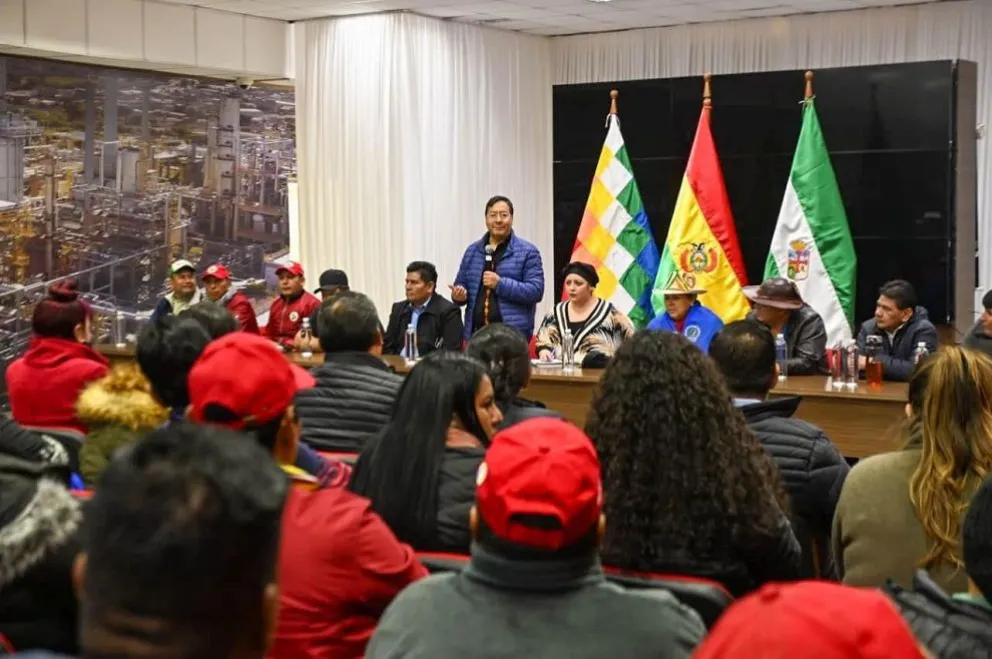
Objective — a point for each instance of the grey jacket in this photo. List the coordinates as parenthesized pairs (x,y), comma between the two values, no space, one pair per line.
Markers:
(977,339)
(507,609)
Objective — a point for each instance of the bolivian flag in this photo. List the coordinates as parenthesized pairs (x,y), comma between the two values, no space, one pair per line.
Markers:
(702,242)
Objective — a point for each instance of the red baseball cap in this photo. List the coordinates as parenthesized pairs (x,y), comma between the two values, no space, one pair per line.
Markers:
(217,271)
(813,620)
(292,267)
(249,376)
(541,467)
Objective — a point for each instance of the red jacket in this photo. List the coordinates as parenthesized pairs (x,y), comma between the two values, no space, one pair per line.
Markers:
(240,306)
(339,568)
(286,317)
(44,383)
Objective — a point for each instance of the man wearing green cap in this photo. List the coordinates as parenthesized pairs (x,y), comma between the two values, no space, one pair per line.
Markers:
(184,294)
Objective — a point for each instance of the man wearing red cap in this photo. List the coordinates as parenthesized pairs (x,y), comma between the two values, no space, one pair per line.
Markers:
(812,620)
(293,305)
(534,586)
(340,565)
(217,284)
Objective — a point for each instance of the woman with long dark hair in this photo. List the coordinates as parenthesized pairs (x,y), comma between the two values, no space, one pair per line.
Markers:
(688,489)
(901,511)
(420,471)
(45,382)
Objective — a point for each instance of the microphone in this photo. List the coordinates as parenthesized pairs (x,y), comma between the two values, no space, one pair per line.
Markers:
(488,292)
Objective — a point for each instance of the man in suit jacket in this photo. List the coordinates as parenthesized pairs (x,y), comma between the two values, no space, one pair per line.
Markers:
(438,322)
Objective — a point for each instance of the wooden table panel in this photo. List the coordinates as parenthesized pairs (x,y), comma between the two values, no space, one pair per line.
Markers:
(860,422)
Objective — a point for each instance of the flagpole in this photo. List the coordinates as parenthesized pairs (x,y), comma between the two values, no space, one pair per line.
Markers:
(809,86)
(613,101)
(707,93)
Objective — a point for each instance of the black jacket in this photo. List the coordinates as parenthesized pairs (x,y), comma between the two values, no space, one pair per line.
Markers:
(739,569)
(977,339)
(31,445)
(440,326)
(950,629)
(812,469)
(455,498)
(352,400)
(521,409)
(39,522)
(897,355)
(807,342)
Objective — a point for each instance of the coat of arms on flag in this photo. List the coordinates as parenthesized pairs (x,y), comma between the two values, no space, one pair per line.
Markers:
(797,261)
(698,257)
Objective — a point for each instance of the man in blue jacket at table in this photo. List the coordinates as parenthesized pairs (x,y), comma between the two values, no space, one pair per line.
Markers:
(901,326)
(501,277)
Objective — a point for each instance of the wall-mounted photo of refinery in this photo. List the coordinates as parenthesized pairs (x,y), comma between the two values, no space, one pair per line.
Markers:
(109,175)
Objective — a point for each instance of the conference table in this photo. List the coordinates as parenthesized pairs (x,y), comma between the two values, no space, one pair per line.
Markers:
(861,422)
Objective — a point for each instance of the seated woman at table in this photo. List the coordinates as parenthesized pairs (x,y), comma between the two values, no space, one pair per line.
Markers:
(506,354)
(902,510)
(598,328)
(420,471)
(688,488)
(684,314)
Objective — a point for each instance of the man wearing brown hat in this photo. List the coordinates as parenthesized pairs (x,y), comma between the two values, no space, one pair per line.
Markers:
(778,304)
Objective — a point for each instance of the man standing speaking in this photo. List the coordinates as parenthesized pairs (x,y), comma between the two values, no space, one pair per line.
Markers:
(501,277)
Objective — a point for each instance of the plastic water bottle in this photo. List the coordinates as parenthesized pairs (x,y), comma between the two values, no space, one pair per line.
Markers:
(920,353)
(851,366)
(782,356)
(410,349)
(837,366)
(306,351)
(120,330)
(567,351)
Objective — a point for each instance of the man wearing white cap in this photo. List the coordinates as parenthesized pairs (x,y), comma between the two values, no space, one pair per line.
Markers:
(685,315)
(184,294)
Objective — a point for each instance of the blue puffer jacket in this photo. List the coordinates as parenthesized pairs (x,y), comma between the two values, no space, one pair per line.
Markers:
(521,282)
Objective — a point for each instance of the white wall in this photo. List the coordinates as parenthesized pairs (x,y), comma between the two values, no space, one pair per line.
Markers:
(145,34)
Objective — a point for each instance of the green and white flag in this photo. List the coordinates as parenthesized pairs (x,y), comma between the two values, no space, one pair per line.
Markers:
(812,242)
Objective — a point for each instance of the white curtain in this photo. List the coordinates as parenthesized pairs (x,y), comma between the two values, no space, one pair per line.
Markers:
(947,30)
(405,127)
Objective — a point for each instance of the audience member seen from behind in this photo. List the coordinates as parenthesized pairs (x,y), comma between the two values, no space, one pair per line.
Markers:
(689,490)
(331,283)
(289,309)
(355,389)
(506,354)
(419,472)
(117,409)
(44,383)
(901,511)
(31,445)
(39,522)
(180,547)
(779,306)
(166,353)
(437,321)
(215,320)
(217,284)
(980,336)
(812,620)
(183,292)
(598,328)
(685,314)
(901,326)
(812,469)
(957,626)
(534,586)
(340,566)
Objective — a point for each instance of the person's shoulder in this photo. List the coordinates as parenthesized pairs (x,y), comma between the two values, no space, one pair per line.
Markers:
(651,602)
(326,511)
(872,470)
(869,326)
(441,304)
(524,244)
(421,600)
